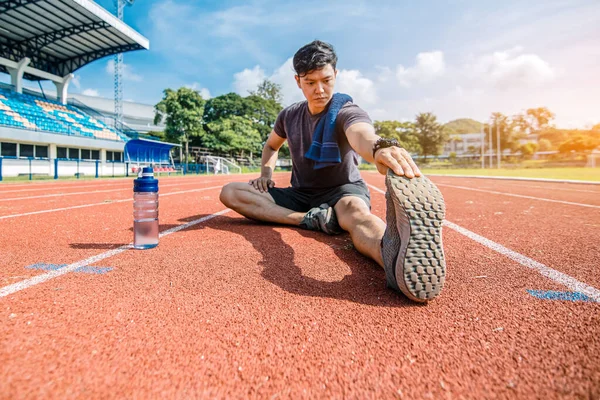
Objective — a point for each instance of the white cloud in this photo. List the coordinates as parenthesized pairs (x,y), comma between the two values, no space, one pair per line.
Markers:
(76,81)
(248,80)
(90,92)
(360,88)
(560,60)
(511,69)
(204,92)
(429,65)
(127,71)
(384,73)
(348,81)
(485,83)
(284,76)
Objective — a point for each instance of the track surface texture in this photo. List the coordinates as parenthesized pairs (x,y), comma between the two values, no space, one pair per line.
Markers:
(226,307)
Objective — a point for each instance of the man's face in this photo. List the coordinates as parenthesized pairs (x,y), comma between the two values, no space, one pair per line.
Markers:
(317,86)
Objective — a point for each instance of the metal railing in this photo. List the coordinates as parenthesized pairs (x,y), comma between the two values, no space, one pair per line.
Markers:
(61,167)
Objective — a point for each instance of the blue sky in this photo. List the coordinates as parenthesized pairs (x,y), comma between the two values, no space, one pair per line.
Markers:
(396,58)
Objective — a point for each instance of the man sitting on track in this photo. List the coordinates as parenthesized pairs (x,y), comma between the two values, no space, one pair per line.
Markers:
(327,193)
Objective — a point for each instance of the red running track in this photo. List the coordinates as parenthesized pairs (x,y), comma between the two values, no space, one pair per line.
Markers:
(228,308)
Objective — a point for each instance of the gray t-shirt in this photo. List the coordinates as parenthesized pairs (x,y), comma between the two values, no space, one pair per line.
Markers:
(296,124)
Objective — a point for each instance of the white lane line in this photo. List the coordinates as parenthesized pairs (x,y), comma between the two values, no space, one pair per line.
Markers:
(516,178)
(52,184)
(528,185)
(520,195)
(128,188)
(101,204)
(544,270)
(49,187)
(104,183)
(27,283)
(63,194)
(551,188)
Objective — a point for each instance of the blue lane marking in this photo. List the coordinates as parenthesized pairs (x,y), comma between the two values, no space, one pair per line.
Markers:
(85,270)
(553,295)
(93,270)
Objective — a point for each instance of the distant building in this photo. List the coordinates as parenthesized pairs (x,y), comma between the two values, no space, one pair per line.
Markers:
(137,116)
(532,138)
(460,144)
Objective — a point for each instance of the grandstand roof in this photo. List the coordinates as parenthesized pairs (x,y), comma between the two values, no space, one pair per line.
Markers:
(61,36)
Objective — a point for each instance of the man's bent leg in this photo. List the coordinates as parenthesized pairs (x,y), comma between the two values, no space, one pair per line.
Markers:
(366,229)
(248,201)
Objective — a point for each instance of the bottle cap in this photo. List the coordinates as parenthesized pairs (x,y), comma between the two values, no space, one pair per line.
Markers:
(145,182)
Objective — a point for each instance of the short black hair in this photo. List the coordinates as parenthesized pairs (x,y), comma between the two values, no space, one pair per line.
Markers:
(315,55)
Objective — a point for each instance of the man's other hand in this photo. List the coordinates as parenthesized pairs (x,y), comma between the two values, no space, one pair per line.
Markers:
(262,184)
(398,160)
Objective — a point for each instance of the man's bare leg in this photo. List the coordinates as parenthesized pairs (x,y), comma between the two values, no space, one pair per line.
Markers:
(248,201)
(366,229)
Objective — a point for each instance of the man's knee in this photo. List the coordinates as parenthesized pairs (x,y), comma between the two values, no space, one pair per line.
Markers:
(229,194)
(239,194)
(351,210)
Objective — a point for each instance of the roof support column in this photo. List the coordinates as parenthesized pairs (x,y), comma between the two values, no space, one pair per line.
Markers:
(16,74)
(62,86)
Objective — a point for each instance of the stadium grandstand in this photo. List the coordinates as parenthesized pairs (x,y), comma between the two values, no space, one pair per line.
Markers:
(62,135)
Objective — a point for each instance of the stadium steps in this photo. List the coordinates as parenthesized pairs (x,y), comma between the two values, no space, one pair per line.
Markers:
(30,112)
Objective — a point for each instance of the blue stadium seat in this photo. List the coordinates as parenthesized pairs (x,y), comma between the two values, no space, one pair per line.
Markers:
(30,112)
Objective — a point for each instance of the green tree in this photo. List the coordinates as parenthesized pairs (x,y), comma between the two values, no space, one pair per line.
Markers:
(262,112)
(555,136)
(234,134)
(544,145)
(403,132)
(502,125)
(578,144)
(157,135)
(539,118)
(269,91)
(224,106)
(528,149)
(430,134)
(183,110)
(521,124)
(473,150)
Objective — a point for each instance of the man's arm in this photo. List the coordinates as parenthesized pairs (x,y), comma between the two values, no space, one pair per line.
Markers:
(268,161)
(362,138)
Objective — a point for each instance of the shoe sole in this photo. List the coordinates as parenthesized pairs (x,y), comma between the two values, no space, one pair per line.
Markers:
(420,267)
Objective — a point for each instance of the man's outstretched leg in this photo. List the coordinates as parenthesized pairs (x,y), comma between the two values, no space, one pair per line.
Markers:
(252,203)
(412,250)
(409,247)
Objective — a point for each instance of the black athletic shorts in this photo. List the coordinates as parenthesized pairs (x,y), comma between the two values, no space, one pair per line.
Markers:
(302,200)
